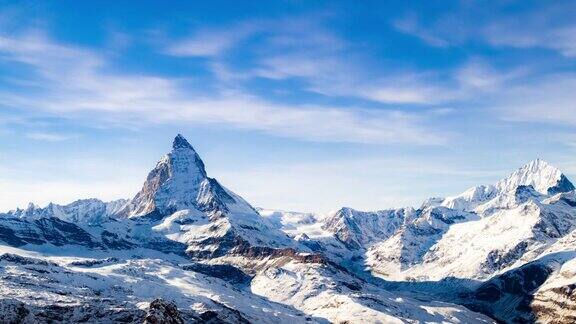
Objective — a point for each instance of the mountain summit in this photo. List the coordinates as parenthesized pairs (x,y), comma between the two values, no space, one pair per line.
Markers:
(179,193)
(543,177)
(175,183)
(181,142)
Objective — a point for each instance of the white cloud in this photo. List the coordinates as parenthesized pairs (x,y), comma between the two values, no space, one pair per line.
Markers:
(78,83)
(302,48)
(410,25)
(549,99)
(210,43)
(538,29)
(548,25)
(414,91)
(48,137)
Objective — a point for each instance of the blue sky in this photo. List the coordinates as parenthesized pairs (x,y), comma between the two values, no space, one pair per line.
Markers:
(301,105)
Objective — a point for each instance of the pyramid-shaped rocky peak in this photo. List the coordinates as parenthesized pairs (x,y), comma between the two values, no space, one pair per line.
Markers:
(539,174)
(186,162)
(175,182)
(179,183)
(181,143)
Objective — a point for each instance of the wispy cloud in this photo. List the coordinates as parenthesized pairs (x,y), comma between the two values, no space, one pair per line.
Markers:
(549,99)
(303,48)
(48,137)
(542,25)
(551,27)
(306,51)
(212,42)
(77,82)
(410,24)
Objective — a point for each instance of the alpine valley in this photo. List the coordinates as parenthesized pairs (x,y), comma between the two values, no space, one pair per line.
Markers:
(187,250)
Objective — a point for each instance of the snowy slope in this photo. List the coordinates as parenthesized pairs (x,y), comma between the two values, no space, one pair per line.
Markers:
(121,286)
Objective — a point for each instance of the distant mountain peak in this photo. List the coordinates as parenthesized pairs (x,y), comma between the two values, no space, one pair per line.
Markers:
(536,166)
(180,142)
(539,174)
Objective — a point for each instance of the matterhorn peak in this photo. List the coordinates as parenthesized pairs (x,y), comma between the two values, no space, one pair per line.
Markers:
(180,142)
(174,183)
(539,174)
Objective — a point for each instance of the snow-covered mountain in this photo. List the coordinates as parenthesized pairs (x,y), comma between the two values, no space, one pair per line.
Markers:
(463,245)
(496,226)
(197,210)
(187,249)
(539,175)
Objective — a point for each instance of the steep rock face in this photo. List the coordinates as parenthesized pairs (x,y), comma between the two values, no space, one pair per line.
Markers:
(18,232)
(555,305)
(16,312)
(543,177)
(475,248)
(163,312)
(532,292)
(180,182)
(173,184)
(357,229)
(508,296)
(185,205)
(90,223)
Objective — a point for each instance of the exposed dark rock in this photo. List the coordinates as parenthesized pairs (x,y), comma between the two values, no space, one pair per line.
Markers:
(59,232)
(114,241)
(497,259)
(163,312)
(563,185)
(7,235)
(13,311)
(222,271)
(93,263)
(508,297)
(224,315)
(18,232)
(556,305)
(15,258)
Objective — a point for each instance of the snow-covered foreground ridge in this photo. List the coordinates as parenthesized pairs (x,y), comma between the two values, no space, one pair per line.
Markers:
(186,249)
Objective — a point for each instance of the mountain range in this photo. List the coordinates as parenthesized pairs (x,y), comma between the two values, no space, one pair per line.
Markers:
(185,249)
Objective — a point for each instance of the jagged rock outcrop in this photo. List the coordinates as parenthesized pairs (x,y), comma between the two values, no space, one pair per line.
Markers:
(163,312)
